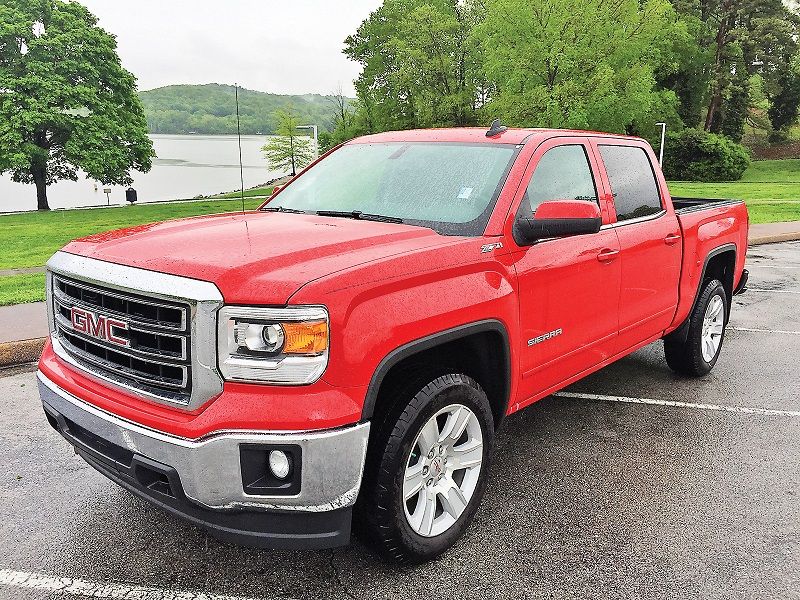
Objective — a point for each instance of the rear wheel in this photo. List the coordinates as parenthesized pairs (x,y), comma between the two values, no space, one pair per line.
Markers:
(427,470)
(698,354)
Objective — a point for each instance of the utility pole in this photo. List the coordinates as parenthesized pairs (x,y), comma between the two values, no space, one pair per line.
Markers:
(661,149)
(313,128)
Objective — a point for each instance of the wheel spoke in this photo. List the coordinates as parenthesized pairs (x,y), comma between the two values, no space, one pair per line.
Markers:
(716,307)
(422,519)
(455,425)
(413,482)
(709,344)
(429,436)
(467,455)
(453,500)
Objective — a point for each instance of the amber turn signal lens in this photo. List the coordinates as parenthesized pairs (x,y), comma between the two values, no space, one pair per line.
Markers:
(305,338)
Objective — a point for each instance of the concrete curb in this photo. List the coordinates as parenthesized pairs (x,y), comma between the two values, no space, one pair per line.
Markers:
(771,233)
(23,351)
(773,239)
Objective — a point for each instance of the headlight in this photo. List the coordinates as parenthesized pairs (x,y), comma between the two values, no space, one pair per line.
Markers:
(284,346)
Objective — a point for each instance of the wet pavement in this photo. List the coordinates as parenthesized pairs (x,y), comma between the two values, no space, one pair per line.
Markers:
(587,498)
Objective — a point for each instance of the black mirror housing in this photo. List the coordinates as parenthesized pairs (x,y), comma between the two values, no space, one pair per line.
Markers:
(528,231)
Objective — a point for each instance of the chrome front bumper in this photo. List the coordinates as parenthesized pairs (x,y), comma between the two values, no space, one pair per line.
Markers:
(209,468)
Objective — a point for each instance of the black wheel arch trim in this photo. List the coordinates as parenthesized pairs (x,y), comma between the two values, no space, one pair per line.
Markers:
(680,334)
(431,341)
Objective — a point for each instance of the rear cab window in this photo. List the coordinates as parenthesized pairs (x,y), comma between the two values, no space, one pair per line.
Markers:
(633,181)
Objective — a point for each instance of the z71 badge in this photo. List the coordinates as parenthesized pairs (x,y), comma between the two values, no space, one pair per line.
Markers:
(544,337)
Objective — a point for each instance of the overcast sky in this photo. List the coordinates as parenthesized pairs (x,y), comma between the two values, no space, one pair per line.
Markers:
(287,47)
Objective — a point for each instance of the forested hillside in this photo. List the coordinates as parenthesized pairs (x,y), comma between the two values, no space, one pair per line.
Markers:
(211,109)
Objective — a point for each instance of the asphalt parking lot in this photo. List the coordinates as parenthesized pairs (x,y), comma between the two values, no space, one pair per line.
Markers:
(603,492)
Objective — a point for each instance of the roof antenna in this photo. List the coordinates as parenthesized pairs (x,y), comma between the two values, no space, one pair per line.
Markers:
(239,135)
(496,129)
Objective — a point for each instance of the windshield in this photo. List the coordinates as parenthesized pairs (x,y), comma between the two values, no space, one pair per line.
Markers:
(450,188)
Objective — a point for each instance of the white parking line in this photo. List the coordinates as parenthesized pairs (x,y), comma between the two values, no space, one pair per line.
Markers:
(95,589)
(718,407)
(773,291)
(757,330)
(752,265)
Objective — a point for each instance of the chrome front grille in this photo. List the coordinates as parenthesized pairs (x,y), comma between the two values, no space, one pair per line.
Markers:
(155,357)
(165,348)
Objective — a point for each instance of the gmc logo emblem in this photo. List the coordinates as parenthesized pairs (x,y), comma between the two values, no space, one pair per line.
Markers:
(98,326)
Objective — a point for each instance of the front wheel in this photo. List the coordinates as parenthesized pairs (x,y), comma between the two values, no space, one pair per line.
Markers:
(428,472)
(698,354)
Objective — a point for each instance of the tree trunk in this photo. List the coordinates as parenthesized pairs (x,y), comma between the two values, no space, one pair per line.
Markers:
(712,120)
(39,172)
(717,86)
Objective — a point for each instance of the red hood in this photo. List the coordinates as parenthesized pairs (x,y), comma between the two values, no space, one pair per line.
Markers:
(260,258)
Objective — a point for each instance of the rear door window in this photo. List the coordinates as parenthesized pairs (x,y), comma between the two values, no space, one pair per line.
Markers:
(562,173)
(633,181)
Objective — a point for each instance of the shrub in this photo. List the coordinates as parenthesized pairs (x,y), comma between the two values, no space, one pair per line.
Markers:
(696,155)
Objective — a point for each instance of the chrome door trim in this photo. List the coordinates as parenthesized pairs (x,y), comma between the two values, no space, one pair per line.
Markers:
(644,219)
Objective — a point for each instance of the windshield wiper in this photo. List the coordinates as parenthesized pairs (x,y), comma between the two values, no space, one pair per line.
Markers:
(358,215)
(283,209)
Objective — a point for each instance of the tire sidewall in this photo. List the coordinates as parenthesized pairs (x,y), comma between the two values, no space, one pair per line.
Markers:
(447,390)
(712,289)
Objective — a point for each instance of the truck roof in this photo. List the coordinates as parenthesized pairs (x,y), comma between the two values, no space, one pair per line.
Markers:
(473,135)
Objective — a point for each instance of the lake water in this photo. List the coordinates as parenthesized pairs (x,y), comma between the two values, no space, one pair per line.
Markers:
(187,166)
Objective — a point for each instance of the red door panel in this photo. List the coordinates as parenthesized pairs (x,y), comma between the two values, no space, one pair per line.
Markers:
(649,240)
(568,287)
(650,274)
(568,295)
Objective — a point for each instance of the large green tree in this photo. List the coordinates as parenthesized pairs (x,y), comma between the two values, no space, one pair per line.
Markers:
(579,63)
(288,151)
(422,64)
(66,102)
(740,38)
(784,108)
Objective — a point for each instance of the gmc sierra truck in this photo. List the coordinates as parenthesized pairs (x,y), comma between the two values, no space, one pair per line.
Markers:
(351,347)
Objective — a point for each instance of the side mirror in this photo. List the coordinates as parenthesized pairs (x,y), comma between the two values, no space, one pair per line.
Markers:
(557,218)
(276,189)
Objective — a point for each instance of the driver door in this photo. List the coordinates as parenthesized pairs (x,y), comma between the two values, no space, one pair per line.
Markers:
(569,286)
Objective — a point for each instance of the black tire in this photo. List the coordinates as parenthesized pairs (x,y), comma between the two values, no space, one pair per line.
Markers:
(381,504)
(686,357)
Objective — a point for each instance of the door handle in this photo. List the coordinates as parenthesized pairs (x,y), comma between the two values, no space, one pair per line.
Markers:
(672,238)
(607,255)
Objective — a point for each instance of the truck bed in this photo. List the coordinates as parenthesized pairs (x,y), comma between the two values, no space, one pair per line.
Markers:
(684,205)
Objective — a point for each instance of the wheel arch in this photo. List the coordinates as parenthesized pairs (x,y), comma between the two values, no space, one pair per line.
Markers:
(482,349)
(720,263)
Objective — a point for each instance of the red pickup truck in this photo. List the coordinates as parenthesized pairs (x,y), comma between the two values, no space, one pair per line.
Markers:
(354,344)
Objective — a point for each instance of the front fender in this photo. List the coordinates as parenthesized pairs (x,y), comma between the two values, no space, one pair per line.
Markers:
(380,308)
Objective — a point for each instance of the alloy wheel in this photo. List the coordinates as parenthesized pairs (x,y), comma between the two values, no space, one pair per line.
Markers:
(442,470)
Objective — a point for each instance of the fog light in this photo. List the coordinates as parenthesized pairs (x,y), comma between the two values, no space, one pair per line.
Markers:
(279,464)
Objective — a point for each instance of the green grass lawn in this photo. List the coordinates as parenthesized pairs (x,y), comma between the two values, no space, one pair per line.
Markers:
(18,289)
(773,171)
(771,189)
(29,239)
(252,192)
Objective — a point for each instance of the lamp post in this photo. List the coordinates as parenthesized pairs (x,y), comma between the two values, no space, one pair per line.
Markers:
(313,128)
(661,149)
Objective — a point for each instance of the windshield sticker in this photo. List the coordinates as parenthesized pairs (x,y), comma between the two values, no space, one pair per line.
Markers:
(465,193)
